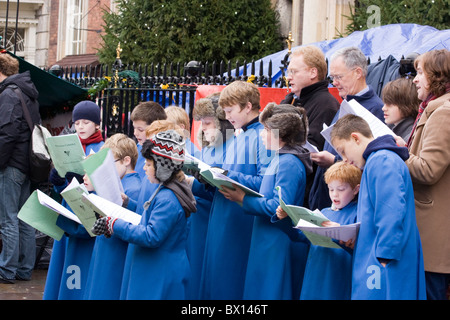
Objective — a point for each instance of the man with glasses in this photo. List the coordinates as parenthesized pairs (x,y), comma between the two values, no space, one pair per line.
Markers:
(348,70)
(306,74)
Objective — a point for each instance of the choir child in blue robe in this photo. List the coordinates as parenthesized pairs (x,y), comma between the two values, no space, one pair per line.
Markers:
(332,267)
(388,260)
(276,263)
(108,256)
(142,116)
(86,118)
(230,230)
(180,117)
(157,266)
(213,135)
(147,187)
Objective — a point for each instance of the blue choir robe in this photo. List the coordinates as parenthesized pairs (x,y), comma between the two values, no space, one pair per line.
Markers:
(230,230)
(108,256)
(157,267)
(318,196)
(276,263)
(214,156)
(388,231)
(139,167)
(76,260)
(56,268)
(331,267)
(192,149)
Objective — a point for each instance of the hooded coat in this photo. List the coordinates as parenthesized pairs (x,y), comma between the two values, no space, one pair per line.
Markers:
(15,133)
(388,230)
(276,263)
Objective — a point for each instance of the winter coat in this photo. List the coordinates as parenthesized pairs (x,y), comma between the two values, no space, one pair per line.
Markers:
(320,106)
(403,128)
(15,133)
(429,166)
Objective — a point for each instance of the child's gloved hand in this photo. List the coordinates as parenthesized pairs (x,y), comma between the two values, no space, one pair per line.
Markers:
(55,178)
(104,226)
(71,175)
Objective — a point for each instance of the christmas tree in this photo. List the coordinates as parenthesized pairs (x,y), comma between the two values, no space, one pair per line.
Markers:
(372,13)
(184,30)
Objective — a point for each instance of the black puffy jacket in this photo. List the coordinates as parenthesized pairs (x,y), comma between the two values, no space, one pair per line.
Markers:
(14,131)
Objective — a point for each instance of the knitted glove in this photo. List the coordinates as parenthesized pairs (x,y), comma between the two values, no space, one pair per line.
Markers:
(104,226)
(71,175)
(55,178)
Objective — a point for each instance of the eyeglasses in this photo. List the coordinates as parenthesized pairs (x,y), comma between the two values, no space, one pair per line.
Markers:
(292,72)
(340,76)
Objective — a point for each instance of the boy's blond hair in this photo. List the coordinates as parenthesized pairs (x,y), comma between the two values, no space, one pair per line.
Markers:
(240,93)
(162,125)
(343,172)
(179,116)
(121,146)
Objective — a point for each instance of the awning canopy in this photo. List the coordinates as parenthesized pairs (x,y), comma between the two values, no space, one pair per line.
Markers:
(53,91)
(78,60)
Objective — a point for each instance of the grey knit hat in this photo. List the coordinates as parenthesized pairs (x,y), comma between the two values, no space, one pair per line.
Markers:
(166,148)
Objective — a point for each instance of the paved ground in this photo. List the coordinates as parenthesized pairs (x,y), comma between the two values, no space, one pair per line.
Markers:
(25,290)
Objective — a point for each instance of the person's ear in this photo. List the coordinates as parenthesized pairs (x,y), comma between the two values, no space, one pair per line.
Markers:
(126,160)
(359,73)
(356,190)
(355,136)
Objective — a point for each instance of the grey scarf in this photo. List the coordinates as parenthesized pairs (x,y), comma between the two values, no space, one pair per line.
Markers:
(183,193)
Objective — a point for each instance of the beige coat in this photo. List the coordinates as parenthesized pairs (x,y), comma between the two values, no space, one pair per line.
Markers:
(429,165)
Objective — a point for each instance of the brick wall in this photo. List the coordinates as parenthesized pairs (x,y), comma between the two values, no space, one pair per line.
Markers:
(53,32)
(95,22)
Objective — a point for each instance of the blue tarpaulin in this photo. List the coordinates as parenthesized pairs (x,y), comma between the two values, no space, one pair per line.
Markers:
(394,40)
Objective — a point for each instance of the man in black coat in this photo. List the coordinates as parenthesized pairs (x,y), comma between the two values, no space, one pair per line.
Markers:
(19,247)
(307,73)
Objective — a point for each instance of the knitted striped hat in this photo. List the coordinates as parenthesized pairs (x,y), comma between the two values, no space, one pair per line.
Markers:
(167,150)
